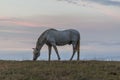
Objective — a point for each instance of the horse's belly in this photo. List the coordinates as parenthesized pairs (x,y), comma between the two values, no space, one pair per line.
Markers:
(62,43)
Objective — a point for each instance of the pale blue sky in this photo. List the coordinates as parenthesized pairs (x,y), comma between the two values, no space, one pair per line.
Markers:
(98,21)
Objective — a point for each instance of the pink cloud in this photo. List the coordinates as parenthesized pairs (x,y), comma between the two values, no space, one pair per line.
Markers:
(107,11)
(99,5)
(24,23)
(20,22)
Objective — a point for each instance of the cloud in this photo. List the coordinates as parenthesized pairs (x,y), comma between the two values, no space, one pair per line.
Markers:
(19,38)
(102,43)
(103,2)
(103,6)
(72,1)
(18,21)
(106,2)
(111,43)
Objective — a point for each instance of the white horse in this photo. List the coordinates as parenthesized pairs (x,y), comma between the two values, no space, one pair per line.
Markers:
(53,38)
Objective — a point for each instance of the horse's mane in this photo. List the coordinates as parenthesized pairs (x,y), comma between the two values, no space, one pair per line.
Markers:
(51,29)
(40,38)
(47,31)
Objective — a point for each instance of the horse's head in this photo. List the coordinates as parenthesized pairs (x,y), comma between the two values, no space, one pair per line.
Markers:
(36,54)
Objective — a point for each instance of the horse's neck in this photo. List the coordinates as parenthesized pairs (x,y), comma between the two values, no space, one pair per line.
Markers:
(41,41)
(39,45)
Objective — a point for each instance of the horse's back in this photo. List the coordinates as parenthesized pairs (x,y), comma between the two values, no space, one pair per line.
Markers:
(74,34)
(68,32)
(65,35)
(72,31)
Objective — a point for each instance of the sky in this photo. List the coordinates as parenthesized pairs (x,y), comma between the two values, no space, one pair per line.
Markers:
(22,22)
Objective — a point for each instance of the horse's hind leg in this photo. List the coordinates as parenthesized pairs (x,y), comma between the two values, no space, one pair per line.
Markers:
(78,50)
(78,53)
(54,46)
(74,51)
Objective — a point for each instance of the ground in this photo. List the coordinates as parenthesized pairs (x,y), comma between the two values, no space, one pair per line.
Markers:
(59,70)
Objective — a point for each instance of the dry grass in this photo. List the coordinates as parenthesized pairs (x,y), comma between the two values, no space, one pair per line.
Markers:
(63,70)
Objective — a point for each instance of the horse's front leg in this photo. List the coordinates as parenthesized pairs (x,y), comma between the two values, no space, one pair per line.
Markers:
(49,49)
(54,46)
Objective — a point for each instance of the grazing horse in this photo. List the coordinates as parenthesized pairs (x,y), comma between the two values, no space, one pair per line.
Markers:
(53,38)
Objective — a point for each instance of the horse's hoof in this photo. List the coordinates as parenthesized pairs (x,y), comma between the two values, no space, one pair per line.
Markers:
(59,59)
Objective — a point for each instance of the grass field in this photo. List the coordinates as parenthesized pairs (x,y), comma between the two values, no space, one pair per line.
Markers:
(63,70)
